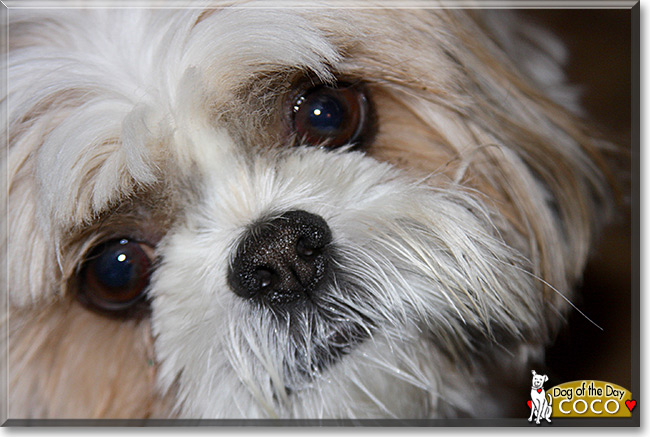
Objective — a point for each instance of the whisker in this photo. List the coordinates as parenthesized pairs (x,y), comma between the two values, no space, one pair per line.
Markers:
(567,300)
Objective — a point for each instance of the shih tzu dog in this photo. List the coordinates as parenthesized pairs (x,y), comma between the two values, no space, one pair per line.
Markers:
(247,211)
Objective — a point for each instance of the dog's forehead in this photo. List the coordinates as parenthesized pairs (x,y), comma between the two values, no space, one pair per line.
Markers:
(143,96)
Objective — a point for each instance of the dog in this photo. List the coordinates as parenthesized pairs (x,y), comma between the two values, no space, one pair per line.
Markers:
(246,211)
(539,402)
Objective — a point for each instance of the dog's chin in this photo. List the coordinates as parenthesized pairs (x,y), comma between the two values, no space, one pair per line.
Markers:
(319,336)
(316,331)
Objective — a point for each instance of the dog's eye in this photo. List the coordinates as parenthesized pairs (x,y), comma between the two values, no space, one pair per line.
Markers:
(114,276)
(331,116)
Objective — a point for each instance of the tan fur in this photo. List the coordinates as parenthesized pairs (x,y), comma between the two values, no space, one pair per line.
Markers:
(486,163)
(410,143)
(98,367)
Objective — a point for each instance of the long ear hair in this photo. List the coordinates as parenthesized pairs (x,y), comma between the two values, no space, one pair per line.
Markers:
(513,136)
(548,163)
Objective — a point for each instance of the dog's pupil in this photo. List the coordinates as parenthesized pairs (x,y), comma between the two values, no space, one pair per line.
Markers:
(114,268)
(325,114)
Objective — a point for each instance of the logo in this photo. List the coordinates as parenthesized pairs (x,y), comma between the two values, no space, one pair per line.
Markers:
(585,398)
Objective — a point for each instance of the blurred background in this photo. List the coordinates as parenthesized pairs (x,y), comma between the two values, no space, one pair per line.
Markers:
(599,42)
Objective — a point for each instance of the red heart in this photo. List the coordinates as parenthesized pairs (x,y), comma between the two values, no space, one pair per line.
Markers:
(539,390)
(630,405)
(530,404)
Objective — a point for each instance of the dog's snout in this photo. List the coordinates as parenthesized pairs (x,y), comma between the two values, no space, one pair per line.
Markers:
(283,260)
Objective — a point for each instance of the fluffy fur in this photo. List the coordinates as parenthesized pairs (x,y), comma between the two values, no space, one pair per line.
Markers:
(459,232)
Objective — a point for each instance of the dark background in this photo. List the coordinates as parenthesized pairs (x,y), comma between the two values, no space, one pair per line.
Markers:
(600,46)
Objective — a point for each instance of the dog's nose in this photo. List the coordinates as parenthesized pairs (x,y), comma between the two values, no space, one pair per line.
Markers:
(283,260)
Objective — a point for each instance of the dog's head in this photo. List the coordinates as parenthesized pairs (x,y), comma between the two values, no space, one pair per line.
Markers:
(260,212)
(539,380)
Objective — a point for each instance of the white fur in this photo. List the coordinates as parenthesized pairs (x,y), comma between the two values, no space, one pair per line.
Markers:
(406,252)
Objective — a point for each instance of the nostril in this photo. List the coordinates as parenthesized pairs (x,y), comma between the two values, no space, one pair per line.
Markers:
(247,282)
(263,278)
(306,250)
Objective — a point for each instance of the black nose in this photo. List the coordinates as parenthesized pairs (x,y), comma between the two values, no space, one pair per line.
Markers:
(283,260)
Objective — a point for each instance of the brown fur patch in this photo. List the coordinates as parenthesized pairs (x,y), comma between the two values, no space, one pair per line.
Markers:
(407,141)
(67,362)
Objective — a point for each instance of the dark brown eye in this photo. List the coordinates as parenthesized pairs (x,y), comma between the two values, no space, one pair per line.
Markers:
(114,276)
(331,116)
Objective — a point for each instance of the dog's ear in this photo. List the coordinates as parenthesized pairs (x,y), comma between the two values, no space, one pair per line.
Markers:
(557,185)
(534,373)
(545,378)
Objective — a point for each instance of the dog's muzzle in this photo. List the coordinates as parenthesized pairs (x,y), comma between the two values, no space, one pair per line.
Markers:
(282,261)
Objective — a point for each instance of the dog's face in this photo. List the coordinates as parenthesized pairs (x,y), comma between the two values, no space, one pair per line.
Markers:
(539,380)
(249,212)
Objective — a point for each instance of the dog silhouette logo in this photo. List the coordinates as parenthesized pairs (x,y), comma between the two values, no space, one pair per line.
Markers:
(541,403)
